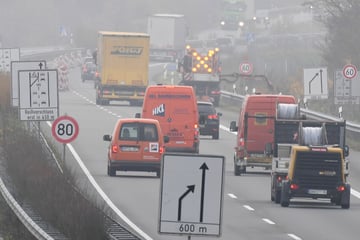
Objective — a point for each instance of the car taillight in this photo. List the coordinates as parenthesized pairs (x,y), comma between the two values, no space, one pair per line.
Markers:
(162,149)
(114,149)
(196,132)
(279,178)
(341,188)
(212,116)
(241,142)
(294,186)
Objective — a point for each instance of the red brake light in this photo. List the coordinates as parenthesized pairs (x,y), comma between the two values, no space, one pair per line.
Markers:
(294,186)
(241,141)
(114,148)
(279,178)
(161,150)
(213,116)
(196,132)
(340,188)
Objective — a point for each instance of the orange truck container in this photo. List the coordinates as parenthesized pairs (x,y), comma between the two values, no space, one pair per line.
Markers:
(175,107)
(255,131)
(136,144)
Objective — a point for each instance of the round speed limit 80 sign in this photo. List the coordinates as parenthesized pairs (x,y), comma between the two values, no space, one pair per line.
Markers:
(65,129)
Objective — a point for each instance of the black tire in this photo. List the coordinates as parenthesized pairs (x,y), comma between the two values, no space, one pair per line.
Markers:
(285,200)
(345,197)
(111,171)
(277,196)
(215,135)
(237,170)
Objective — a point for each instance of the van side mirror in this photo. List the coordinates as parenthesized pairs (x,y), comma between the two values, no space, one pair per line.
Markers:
(346,150)
(137,115)
(233,127)
(107,137)
(219,114)
(166,139)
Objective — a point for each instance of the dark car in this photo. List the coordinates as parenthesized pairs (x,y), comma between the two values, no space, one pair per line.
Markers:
(209,119)
(88,71)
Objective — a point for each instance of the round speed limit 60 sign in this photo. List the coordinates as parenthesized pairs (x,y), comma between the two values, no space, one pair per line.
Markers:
(246,68)
(349,71)
(65,129)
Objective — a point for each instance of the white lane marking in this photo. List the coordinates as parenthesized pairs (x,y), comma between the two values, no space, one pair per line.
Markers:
(355,193)
(268,221)
(249,208)
(103,194)
(98,106)
(293,236)
(226,129)
(232,195)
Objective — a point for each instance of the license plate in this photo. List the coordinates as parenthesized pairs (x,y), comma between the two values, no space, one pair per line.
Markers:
(317,191)
(129,149)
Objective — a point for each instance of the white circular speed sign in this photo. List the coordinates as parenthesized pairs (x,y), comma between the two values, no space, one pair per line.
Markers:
(349,71)
(65,129)
(246,68)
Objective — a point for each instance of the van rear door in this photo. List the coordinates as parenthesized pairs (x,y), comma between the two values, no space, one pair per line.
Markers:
(139,142)
(258,126)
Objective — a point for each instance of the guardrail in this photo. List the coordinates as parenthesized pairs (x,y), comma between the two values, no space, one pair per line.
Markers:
(33,228)
(350,126)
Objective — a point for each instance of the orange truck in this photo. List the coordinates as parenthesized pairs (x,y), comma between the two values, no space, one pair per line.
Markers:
(175,107)
(255,131)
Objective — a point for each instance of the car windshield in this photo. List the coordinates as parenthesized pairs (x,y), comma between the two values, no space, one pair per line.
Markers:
(138,131)
(206,108)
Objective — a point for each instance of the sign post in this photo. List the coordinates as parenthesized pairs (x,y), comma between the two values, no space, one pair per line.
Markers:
(191,194)
(65,129)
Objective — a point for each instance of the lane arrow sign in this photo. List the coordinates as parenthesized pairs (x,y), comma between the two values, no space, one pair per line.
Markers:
(191,188)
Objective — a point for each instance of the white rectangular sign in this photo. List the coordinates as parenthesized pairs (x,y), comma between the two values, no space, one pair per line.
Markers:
(38,95)
(315,83)
(7,55)
(346,91)
(191,194)
(22,65)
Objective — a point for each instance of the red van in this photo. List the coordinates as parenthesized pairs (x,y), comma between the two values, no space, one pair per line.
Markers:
(136,144)
(255,131)
(175,107)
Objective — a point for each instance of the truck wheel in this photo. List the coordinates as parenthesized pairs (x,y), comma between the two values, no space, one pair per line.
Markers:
(345,198)
(111,171)
(215,135)
(285,200)
(277,196)
(237,170)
